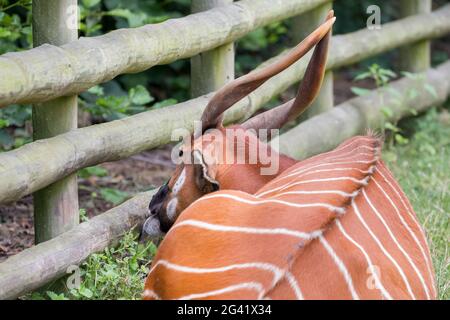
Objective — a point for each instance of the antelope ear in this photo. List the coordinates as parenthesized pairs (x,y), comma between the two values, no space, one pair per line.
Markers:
(204,174)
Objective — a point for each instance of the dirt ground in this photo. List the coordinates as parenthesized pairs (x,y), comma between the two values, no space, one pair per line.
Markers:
(138,173)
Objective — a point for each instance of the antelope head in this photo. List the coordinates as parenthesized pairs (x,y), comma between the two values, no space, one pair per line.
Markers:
(205,165)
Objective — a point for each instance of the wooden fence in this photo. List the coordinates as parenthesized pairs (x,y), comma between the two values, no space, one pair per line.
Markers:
(45,74)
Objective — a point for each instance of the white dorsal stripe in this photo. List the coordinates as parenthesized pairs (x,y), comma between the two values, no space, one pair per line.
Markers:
(289,185)
(343,156)
(341,148)
(254,286)
(278,273)
(341,266)
(249,230)
(318,192)
(273,201)
(299,171)
(383,249)
(370,265)
(317,171)
(307,172)
(418,226)
(399,246)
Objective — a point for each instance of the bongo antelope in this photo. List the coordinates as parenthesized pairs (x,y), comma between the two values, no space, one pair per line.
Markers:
(335,226)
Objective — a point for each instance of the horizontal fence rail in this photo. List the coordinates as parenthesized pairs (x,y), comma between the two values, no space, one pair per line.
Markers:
(41,163)
(47,261)
(49,72)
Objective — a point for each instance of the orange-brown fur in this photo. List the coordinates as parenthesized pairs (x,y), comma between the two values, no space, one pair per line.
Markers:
(307,260)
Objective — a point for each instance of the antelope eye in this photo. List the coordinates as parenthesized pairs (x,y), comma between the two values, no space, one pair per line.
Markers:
(180,154)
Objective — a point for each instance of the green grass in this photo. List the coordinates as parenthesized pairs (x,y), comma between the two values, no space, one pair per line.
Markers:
(422,167)
(117,273)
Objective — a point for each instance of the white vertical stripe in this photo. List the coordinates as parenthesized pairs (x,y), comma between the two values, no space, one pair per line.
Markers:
(418,226)
(383,249)
(294,285)
(425,287)
(340,264)
(370,265)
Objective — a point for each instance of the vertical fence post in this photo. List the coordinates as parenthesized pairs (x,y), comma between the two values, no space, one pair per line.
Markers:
(415,57)
(211,70)
(56,206)
(302,26)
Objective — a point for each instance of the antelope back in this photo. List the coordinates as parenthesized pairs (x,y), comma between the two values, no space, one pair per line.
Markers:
(336,226)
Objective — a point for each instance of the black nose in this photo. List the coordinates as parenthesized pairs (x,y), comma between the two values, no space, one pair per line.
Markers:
(158,199)
(155,206)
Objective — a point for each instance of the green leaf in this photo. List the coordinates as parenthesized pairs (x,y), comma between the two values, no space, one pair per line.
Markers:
(391,127)
(388,73)
(83,215)
(412,94)
(93,171)
(387,112)
(360,91)
(362,76)
(54,296)
(90,3)
(431,90)
(401,139)
(3,123)
(4,33)
(114,196)
(123,13)
(164,103)
(409,75)
(97,90)
(140,95)
(86,292)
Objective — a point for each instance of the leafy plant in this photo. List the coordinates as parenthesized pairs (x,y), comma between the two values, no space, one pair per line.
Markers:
(116,273)
(83,215)
(380,75)
(92,171)
(15,31)
(114,196)
(381,78)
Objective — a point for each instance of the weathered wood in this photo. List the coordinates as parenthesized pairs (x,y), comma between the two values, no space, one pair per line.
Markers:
(30,167)
(56,206)
(417,56)
(40,264)
(212,69)
(302,26)
(49,72)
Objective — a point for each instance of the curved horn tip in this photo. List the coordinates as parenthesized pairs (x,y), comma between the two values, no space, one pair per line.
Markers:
(330,14)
